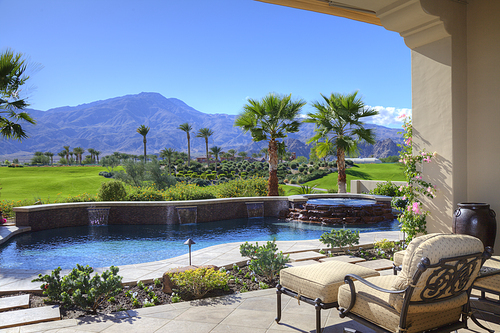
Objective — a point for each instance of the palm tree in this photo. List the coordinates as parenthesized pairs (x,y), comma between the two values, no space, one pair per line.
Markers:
(242,154)
(339,126)
(232,152)
(271,119)
(51,156)
(70,154)
(91,152)
(265,151)
(187,128)
(205,133)
(216,151)
(66,148)
(78,151)
(12,77)
(96,154)
(168,154)
(143,130)
(62,154)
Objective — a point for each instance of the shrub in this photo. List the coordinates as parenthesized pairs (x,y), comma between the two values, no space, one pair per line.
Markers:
(387,188)
(264,260)
(340,238)
(145,194)
(252,187)
(113,190)
(106,174)
(198,282)
(78,288)
(184,191)
(304,189)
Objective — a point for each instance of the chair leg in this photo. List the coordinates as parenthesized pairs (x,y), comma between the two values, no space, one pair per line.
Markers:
(317,306)
(278,302)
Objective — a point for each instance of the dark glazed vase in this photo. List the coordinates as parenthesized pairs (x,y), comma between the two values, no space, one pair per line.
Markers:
(476,219)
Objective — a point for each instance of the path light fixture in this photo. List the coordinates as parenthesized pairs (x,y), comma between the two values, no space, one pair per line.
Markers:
(189,242)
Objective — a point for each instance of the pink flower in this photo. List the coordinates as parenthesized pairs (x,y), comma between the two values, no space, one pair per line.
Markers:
(427,159)
(416,208)
(418,177)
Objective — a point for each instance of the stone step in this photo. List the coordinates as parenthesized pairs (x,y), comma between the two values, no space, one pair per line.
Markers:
(8,303)
(378,265)
(29,316)
(344,258)
(306,255)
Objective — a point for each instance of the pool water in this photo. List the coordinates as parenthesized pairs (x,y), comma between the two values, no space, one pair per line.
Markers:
(103,246)
(342,202)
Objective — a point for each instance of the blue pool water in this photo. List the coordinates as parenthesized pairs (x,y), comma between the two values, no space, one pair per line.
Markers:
(102,246)
(342,202)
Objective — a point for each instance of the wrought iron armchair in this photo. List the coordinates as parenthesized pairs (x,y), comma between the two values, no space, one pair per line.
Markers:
(430,294)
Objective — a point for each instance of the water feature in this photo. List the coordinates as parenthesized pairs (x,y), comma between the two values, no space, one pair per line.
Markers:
(255,209)
(187,214)
(98,216)
(341,210)
(102,246)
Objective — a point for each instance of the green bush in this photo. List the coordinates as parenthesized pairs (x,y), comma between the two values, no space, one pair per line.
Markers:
(79,288)
(198,282)
(387,188)
(264,260)
(145,194)
(184,191)
(340,238)
(113,190)
(252,187)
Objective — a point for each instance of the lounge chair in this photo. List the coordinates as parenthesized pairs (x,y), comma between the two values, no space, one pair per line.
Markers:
(430,293)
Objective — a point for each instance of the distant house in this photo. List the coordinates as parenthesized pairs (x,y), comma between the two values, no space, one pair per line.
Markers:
(367,160)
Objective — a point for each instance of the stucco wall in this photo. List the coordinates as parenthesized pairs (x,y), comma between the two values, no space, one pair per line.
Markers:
(483,104)
(359,186)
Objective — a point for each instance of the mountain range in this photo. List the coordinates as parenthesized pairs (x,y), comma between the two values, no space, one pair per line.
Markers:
(110,125)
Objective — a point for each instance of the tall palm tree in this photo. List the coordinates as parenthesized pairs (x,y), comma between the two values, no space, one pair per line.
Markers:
(78,151)
(168,154)
(91,152)
(271,119)
(66,148)
(339,126)
(12,77)
(205,133)
(265,151)
(96,154)
(51,156)
(232,152)
(143,130)
(187,128)
(216,151)
(62,154)
(71,155)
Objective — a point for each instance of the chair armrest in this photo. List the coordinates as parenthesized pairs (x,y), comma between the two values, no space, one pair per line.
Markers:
(349,280)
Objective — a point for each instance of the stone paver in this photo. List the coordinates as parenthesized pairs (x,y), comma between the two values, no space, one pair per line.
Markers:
(21,301)
(29,316)
(378,265)
(344,258)
(306,255)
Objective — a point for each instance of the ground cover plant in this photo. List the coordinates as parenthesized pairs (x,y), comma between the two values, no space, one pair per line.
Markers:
(190,285)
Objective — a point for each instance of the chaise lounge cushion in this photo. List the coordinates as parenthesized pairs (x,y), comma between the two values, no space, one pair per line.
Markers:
(321,280)
(374,306)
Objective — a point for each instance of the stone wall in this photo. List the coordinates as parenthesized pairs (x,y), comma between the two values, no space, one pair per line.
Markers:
(43,217)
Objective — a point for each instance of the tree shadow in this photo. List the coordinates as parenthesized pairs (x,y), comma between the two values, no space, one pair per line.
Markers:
(359,174)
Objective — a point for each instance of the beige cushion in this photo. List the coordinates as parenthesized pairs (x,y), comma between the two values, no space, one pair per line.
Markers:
(374,306)
(321,280)
(435,247)
(491,282)
(398,257)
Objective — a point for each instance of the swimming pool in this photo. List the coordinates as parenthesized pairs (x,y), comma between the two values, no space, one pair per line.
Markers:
(102,246)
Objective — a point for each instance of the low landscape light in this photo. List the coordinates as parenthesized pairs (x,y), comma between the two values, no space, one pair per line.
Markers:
(189,242)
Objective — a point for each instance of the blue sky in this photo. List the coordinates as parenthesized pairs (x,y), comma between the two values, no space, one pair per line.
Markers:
(210,54)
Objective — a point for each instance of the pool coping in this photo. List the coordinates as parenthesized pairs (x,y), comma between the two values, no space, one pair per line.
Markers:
(222,255)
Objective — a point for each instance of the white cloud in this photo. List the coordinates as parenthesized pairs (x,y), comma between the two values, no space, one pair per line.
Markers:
(388,116)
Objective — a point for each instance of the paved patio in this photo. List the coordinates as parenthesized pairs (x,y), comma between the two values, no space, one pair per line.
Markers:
(248,312)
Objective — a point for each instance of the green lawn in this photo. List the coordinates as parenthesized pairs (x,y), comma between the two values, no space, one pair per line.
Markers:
(49,182)
(383,171)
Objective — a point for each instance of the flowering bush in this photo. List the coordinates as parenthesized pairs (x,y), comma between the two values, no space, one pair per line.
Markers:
(413,217)
(197,282)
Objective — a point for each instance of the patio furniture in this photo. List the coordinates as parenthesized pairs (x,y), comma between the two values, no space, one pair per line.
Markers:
(430,293)
(317,284)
